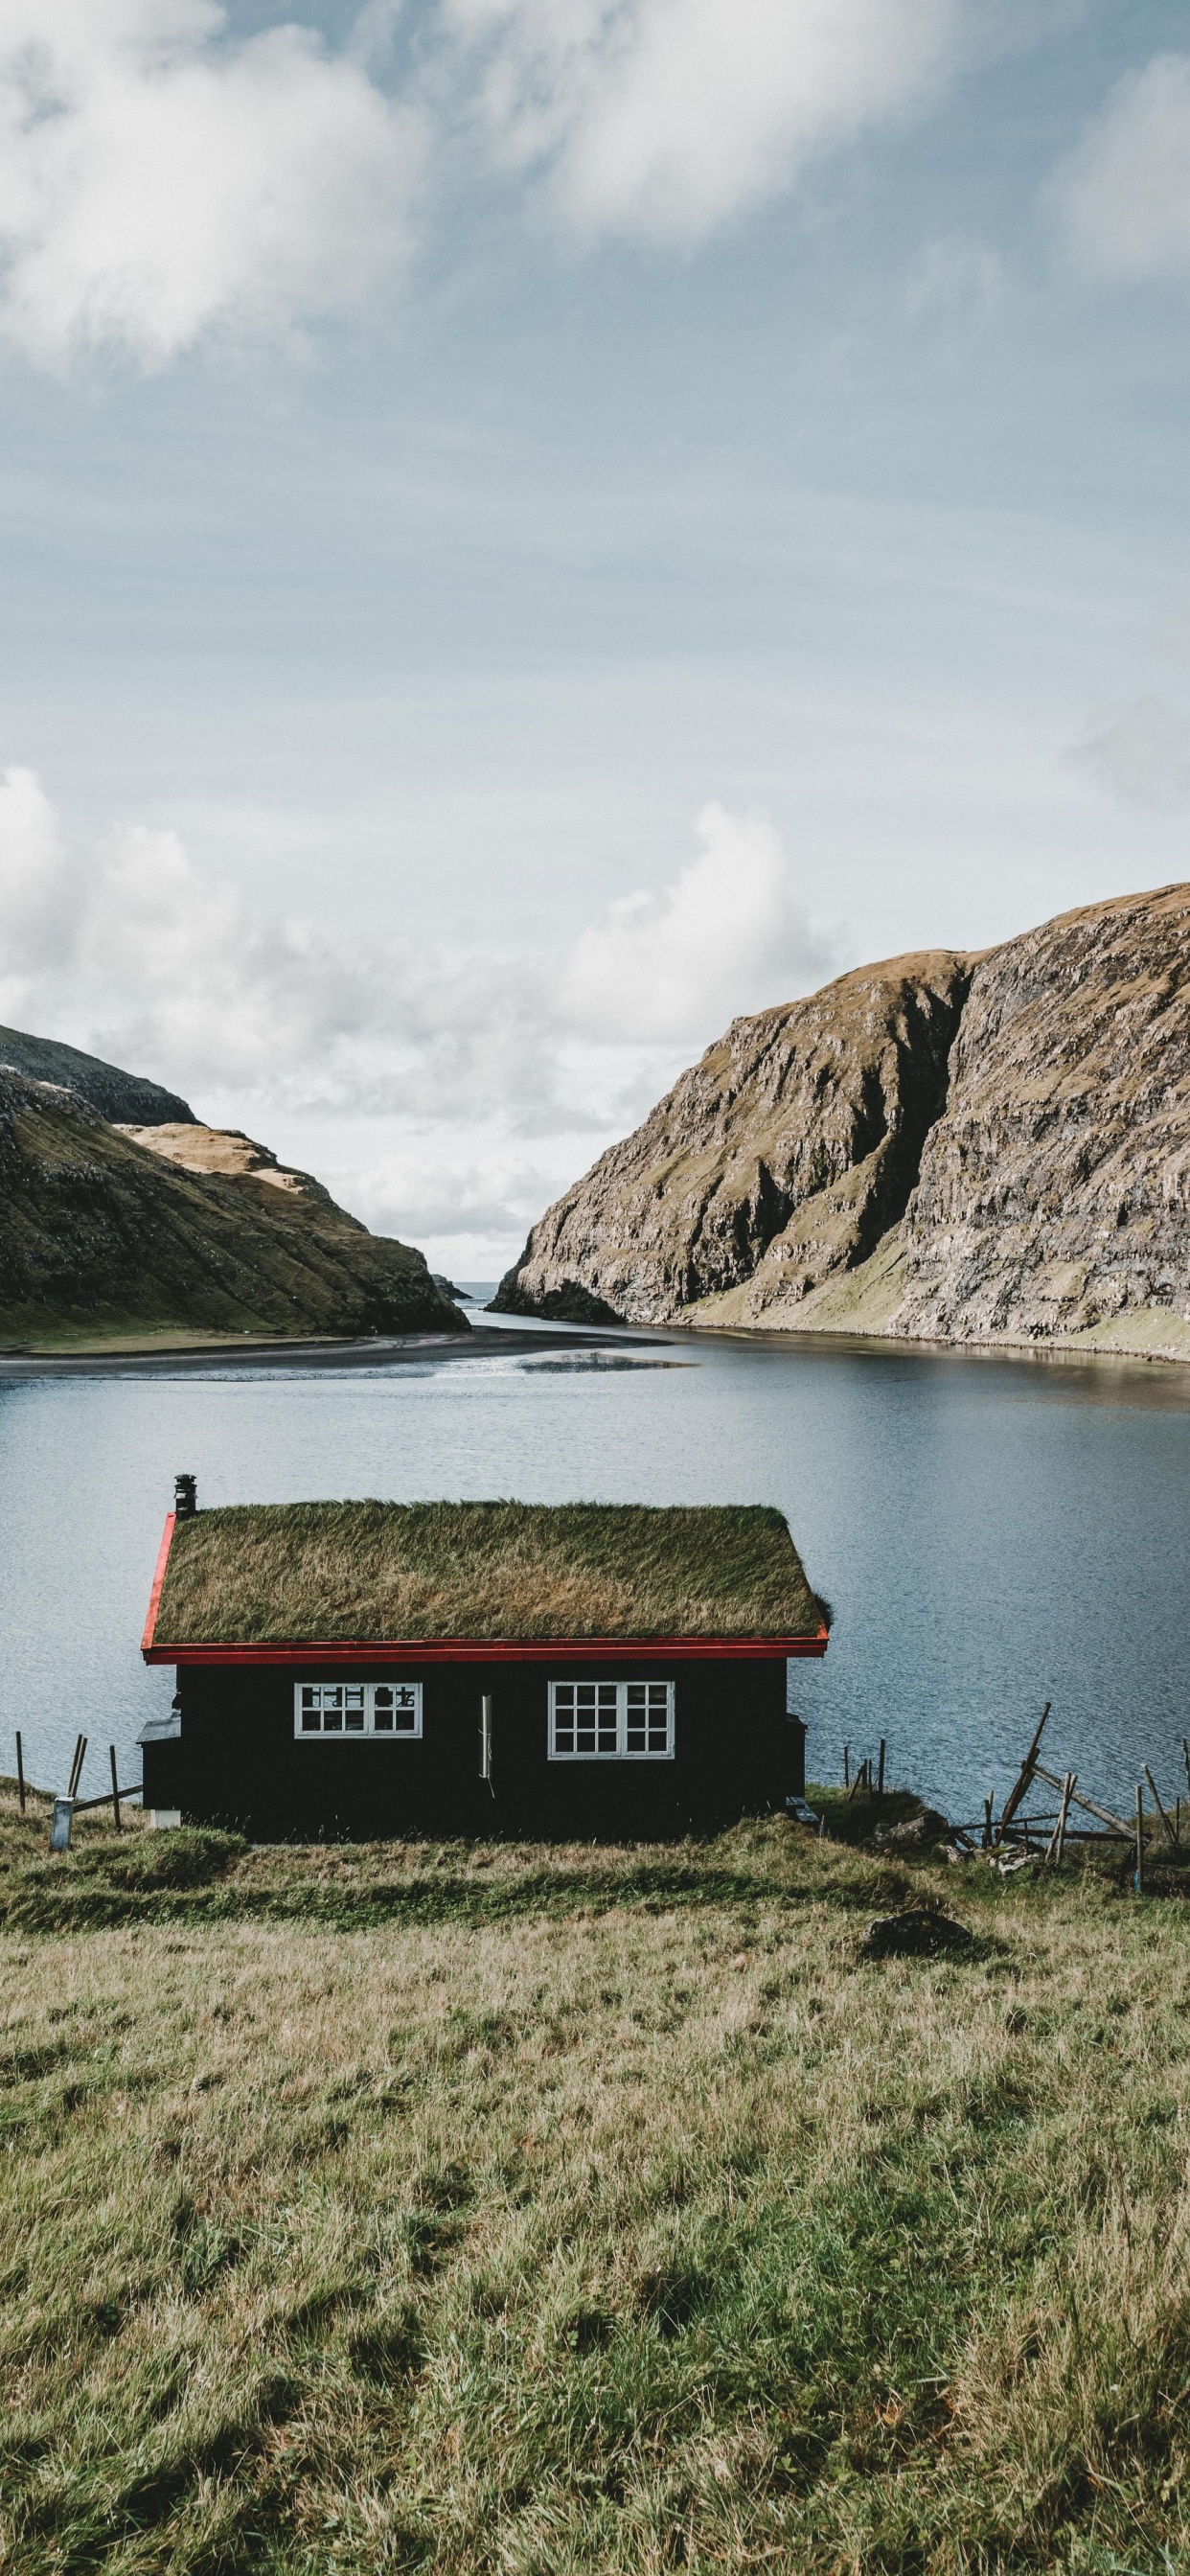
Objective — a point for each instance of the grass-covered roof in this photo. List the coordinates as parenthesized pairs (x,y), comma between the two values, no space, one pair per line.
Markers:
(277,1573)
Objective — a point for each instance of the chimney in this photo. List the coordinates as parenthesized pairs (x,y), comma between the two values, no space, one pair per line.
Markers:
(185,1497)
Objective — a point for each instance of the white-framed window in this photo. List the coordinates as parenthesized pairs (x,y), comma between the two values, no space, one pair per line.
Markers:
(611,1722)
(342,1709)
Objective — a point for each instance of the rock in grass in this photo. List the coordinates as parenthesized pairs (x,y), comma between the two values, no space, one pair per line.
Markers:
(917,1933)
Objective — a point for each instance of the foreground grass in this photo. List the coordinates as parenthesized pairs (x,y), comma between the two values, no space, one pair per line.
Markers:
(462,2210)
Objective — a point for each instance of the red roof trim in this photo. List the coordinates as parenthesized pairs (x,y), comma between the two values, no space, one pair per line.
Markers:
(469,1650)
(146,1643)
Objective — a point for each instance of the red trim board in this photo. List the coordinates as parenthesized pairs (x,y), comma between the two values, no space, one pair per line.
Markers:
(372,1653)
(167,1535)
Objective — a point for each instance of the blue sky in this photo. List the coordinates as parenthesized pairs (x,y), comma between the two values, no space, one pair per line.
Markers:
(531,526)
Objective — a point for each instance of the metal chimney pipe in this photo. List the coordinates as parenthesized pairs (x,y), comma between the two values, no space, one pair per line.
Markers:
(185,1497)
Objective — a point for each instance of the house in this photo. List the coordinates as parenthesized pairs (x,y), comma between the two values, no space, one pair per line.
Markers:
(570,1671)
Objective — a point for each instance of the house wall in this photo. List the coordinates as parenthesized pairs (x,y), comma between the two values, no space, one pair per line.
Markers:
(236,1761)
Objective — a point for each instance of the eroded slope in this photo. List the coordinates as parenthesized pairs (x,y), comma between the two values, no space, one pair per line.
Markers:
(1054,1196)
(99,1232)
(943,1148)
(778,1161)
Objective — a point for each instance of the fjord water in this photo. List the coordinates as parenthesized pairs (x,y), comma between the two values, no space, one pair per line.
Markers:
(992,1532)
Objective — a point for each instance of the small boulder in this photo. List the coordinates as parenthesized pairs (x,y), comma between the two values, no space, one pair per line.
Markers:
(917,1933)
(913,1831)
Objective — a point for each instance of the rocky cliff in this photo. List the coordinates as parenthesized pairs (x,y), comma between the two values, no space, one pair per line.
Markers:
(179,1227)
(991,1148)
(107,1088)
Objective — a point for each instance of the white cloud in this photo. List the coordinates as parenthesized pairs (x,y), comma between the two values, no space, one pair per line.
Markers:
(438,1067)
(444,1196)
(679,963)
(158,180)
(34,881)
(1124,194)
(665,117)
(1139,753)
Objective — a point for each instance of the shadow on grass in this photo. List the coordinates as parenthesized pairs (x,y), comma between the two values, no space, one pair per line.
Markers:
(194,1875)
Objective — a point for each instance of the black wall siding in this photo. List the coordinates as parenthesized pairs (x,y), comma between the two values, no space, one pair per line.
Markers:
(237,1763)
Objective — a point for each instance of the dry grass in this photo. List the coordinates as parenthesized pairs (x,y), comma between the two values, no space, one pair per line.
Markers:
(264,1573)
(607,2221)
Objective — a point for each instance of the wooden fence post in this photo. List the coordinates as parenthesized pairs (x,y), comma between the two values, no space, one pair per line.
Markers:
(880,1783)
(1024,1783)
(20,1772)
(1067,1786)
(115,1788)
(1139,1881)
(1169,1831)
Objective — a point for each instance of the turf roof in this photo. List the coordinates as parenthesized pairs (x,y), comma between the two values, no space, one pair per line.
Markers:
(288,1573)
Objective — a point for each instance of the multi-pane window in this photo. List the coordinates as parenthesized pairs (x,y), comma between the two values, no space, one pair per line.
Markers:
(357,1708)
(611,1721)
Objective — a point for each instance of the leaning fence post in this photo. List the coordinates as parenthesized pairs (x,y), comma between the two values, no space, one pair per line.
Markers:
(987,1824)
(20,1773)
(1139,1881)
(1169,1831)
(115,1788)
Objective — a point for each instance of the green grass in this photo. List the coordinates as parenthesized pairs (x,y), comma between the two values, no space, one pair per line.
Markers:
(461,2208)
(266,1572)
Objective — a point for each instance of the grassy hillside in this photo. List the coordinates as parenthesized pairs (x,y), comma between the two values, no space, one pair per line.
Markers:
(98,1233)
(465,2209)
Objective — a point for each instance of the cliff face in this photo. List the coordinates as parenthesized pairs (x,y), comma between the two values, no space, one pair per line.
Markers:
(190,1230)
(992,1148)
(1054,1196)
(780,1158)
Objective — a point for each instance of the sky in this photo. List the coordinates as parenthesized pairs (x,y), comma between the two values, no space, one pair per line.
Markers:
(530,527)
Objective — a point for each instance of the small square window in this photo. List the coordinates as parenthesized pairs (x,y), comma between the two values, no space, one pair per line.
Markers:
(611,1721)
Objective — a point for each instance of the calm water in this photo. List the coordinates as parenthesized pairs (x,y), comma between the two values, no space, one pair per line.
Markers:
(991,1532)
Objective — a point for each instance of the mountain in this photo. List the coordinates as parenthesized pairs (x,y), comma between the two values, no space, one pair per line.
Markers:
(112,1092)
(172,1225)
(990,1148)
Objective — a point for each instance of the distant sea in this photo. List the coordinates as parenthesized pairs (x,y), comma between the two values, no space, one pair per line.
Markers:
(991,1531)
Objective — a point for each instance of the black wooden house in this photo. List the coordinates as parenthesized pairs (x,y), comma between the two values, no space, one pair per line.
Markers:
(566,1672)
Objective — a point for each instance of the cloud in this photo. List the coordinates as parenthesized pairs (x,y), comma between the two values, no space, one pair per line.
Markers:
(666,117)
(34,879)
(420,1076)
(1123,195)
(678,963)
(449,1195)
(1140,754)
(159,181)
(446,1064)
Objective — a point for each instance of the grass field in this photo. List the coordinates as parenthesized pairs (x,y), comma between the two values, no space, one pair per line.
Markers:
(496,2209)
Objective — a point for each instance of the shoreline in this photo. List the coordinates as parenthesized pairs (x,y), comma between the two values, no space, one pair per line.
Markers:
(391,1350)
(807,1337)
